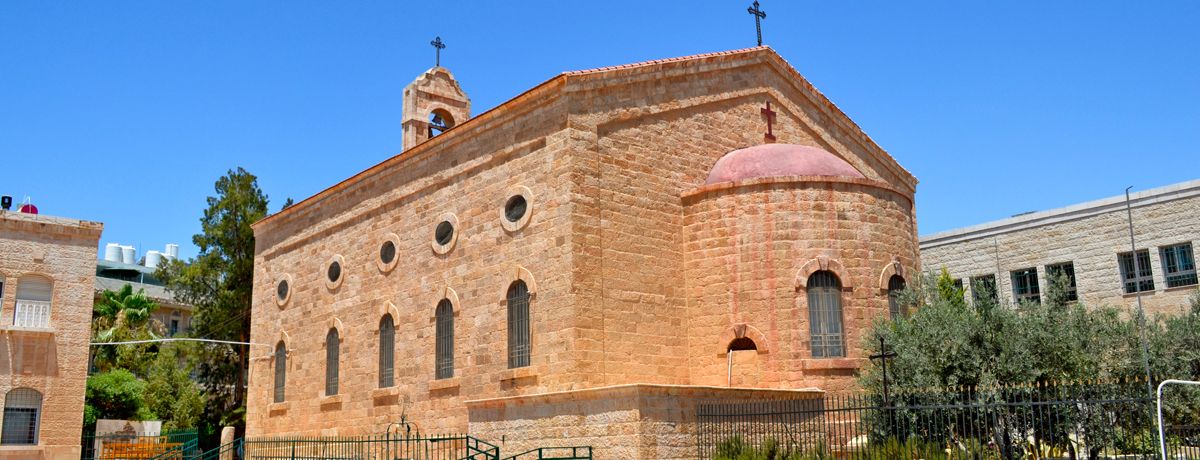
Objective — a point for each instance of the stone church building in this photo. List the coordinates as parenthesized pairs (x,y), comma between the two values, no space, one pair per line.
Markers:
(584,263)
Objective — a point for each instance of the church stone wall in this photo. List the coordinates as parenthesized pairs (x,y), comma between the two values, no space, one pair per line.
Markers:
(1090,235)
(750,246)
(470,181)
(52,361)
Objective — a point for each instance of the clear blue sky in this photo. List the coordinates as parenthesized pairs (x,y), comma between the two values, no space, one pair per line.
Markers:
(126,112)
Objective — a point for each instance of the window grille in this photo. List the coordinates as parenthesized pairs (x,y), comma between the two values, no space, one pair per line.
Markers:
(895,285)
(1179,264)
(1066,269)
(825,315)
(983,290)
(280,371)
(518,325)
(331,362)
(33,306)
(1137,275)
(1025,285)
(387,352)
(22,415)
(445,340)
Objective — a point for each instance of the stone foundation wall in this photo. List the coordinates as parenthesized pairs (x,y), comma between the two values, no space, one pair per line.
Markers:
(624,422)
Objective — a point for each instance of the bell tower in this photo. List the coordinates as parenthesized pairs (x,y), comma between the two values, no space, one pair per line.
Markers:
(433,103)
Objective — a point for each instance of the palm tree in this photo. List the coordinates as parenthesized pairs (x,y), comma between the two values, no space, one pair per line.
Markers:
(120,316)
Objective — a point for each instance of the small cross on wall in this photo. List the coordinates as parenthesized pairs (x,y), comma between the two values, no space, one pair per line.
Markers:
(769,114)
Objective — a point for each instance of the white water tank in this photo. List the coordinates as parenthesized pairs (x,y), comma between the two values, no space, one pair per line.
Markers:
(128,255)
(153,258)
(172,250)
(112,252)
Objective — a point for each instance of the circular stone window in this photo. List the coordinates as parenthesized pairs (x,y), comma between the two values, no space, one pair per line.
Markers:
(333,272)
(514,209)
(445,234)
(517,209)
(387,252)
(283,290)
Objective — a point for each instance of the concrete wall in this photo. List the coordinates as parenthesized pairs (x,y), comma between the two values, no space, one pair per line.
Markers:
(1090,235)
(53,360)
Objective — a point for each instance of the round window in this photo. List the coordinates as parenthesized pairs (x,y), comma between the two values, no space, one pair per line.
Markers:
(281,291)
(334,272)
(387,252)
(514,209)
(444,233)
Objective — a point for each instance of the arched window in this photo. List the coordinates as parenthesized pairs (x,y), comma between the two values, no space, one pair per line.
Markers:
(280,371)
(33,301)
(825,315)
(387,352)
(895,285)
(742,344)
(518,324)
(22,414)
(331,362)
(445,340)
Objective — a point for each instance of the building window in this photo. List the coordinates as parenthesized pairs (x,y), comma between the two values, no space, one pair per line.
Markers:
(958,285)
(334,273)
(174,329)
(1025,285)
(387,352)
(280,371)
(1179,264)
(518,325)
(1067,271)
(387,252)
(825,315)
(1136,275)
(33,301)
(444,233)
(22,414)
(895,285)
(742,344)
(445,340)
(331,362)
(983,290)
(514,209)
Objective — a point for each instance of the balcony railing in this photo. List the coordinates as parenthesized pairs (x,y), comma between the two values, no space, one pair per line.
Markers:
(32,313)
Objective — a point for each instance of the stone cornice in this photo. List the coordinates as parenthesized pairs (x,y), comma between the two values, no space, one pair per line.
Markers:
(1182,190)
(639,389)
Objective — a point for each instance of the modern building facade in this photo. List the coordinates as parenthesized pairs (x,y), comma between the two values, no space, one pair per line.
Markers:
(584,263)
(1089,244)
(47,271)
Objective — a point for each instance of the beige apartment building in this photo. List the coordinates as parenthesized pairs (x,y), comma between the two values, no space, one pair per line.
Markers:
(47,274)
(585,263)
(1087,242)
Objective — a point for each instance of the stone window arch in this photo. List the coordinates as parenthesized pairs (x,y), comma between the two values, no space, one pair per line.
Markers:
(332,346)
(387,351)
(280,371)
(22,417)
(825,319)
(519,329)
(440,120)
(444,340)
(742,344)
(896,284)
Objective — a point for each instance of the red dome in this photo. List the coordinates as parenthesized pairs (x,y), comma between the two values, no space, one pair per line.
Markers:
(775,160)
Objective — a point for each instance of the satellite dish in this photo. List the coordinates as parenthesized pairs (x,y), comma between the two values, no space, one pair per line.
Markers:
(29,208)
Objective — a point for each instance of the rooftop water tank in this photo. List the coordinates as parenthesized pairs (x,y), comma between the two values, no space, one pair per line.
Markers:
(153,258)
(112,252)
(128,255)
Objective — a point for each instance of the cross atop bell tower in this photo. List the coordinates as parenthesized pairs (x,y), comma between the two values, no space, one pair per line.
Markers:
(433,103)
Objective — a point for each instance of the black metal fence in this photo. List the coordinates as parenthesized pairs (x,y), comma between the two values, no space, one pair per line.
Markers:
(378,447)
(1076,421)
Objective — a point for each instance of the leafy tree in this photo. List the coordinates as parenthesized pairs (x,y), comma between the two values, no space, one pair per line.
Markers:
(116,395)
(218,283)
(948,292)
(171,392)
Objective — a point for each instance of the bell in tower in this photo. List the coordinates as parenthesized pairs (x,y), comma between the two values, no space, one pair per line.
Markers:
(433,103)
